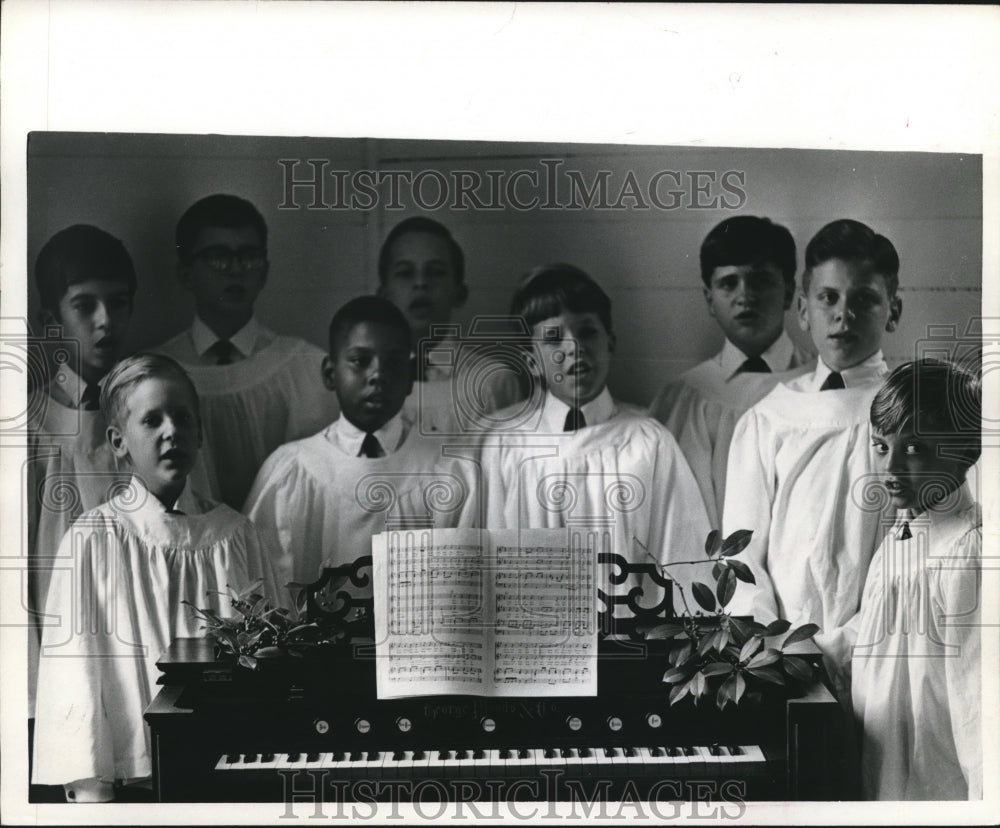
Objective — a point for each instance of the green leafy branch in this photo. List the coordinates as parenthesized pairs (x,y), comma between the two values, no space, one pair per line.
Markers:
(257,631)
(715,652)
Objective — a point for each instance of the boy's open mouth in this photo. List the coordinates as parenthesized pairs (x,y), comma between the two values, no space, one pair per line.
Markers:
(106,344)
(173,456)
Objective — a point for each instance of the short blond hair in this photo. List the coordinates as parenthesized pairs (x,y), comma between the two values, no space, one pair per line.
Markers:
(128,373)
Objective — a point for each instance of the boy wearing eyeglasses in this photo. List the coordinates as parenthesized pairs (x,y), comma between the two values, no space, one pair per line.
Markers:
(258,389)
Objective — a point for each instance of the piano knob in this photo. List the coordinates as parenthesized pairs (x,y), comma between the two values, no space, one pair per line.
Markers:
(362,725)
(574,723)
(654,720)
(614,723)
(404,724)
(322,726)
(488,724)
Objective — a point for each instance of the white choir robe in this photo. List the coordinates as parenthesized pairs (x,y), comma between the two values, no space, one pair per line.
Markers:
(801,477)
(701,407)
(252,406)
(622,475)
(916,664)
(113,612)
(70,470)
(317,505)
(462,384)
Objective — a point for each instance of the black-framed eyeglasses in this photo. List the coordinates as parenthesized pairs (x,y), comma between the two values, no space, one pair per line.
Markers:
(222,258)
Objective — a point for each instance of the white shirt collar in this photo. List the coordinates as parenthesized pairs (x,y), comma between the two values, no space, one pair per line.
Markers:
(778,357)
(142,499)
(71,384)
(597,411)
(244,340)
(864,373)
(956,502)
(349,437)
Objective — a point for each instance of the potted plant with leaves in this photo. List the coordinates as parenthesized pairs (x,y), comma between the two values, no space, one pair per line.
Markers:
(258,633)
(716,653)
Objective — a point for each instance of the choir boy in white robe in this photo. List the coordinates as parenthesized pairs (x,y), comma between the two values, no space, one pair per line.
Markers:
(86,282)
(116,606)
(916,665)
(582,458)
(258,389)
(319,501)
(800,465)
(748,270)
(422,272)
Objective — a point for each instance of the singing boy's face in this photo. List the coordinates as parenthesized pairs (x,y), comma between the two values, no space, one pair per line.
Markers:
(421,281)
(749,303)
(913,469)
(95,314)
(575,350)
(160,435)
(227,272)
(371,372)
(847,309)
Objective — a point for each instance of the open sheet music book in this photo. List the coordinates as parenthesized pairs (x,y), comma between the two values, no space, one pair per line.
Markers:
(489,613)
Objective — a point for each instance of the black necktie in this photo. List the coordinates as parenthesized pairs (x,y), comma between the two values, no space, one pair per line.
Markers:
(574,420)
(91,399)
(174,512)
(905,533)
(833,382)
(223,352)
(755,365)
(370,446)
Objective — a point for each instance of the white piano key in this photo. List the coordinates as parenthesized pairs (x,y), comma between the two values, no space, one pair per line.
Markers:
(748,760)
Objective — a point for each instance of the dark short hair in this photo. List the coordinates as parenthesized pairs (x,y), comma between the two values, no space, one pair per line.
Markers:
(552,289)
(373,309)
(127,374)
(219,210)
(934,398)
(421,224)
(80,253)
(748,240)
(852,241)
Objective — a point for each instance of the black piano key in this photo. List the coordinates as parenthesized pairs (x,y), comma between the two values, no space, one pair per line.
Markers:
(522,753)
(232,758)
(611,752)
(567,753)
(715,750)
(478,754)
(267,757)
(338,756)
(249,758)
(461,754)
(374,756)
(294,757)
(357,756)
(504,753)
(400,755)
(585,752)
(444,754)
(549,753)
(312,757)
(657,751)
(629,751)
(418,755)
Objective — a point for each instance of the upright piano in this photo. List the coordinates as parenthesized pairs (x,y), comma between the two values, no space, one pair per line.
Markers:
(315,727)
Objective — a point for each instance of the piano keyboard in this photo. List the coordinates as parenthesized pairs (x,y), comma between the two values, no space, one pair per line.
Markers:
(716,761)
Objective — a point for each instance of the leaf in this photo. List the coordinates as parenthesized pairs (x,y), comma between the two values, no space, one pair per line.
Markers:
(726,586)
(741,687)
(767,674)
(742,571)
(268,652)
(706,643)
(713,542)
(726,692)
(678,693)
(716,668)
(247,661)
(678,674)
(723,639)
(797,668)
(750,648)
(738,630)
(686,654)
(769,656)
(777,627)
(703,595)
(717,568)
(736,542)
(697,686)
(801,634)
(659,631)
